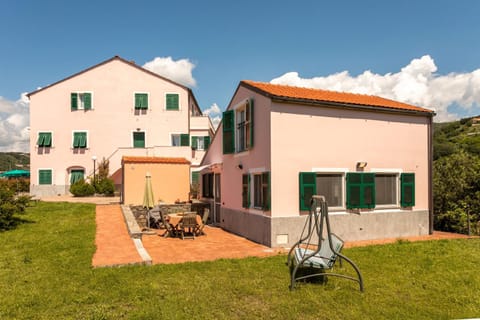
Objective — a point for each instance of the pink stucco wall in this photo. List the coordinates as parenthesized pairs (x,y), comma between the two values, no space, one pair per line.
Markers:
(111,122)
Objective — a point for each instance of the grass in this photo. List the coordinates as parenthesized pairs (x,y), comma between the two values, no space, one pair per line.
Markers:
(46,273)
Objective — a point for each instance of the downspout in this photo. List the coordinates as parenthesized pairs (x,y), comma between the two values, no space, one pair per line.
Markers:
(430,173)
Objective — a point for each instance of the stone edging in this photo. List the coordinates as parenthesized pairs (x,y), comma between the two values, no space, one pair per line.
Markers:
(135,233)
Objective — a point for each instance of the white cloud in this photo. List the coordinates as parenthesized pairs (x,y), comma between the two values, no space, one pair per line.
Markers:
(417,84)
(179,71)
(213,112)
(14,121)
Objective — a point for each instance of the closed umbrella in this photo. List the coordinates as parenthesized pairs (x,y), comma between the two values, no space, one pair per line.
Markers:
(148,198)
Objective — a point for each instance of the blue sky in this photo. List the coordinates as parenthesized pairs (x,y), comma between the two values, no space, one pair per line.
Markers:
(421,52)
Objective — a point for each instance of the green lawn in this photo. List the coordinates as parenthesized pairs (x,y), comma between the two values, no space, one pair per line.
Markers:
(46,273)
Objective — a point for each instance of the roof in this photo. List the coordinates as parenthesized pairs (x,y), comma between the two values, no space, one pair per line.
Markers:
(163,160)
(299,94)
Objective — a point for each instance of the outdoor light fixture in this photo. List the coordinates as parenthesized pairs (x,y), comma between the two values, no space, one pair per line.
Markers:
(240,166)
(94,158)
(361,164)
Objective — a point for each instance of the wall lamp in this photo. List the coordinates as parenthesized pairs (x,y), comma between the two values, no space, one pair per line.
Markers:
(240,166)
(361,164)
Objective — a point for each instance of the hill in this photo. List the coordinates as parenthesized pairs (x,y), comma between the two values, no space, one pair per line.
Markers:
(453,137)
(14,160)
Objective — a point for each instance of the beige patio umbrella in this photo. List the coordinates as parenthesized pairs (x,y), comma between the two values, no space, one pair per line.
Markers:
(148,198)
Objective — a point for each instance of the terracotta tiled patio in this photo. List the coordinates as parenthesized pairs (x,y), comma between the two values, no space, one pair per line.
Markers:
(115,247)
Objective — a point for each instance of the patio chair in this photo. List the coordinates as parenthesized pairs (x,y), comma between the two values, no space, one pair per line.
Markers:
(155,219)
(188,225)
(199,230)
(169,229)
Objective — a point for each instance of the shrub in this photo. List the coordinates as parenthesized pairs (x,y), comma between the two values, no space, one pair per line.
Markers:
(82,189)
(10,205)
(105,187)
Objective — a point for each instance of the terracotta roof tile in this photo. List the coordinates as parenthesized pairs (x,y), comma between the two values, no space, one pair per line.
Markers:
(155,160)
(318,95)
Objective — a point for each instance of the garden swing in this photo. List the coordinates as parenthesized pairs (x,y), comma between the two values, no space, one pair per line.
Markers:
(312,256)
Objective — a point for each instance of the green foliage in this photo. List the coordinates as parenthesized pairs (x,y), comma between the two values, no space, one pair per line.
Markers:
(81,188)
(105,186)
(10,205)
(14,160)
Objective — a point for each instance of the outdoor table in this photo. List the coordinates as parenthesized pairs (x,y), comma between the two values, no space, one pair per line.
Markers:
(175,218)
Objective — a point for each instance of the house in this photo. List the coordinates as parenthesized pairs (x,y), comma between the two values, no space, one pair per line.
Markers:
(277,145)
(108,111)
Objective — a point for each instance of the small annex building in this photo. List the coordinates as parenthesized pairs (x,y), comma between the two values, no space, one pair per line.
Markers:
(277,145)
(170,178)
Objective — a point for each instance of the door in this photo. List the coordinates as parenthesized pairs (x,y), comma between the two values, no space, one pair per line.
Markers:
(217,201)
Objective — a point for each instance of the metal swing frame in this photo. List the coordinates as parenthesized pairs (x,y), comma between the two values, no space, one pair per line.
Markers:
(321,258)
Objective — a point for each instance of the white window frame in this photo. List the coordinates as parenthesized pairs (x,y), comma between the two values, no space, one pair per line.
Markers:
(343,173)
(148,100)
(80,102)
(73,138)
(397,173)
(238,108)
(165,100)
(172,134)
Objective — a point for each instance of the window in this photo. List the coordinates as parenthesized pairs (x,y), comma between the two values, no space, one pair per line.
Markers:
(180,139)
(79,140)
(407,197)
(246,191)
(207,185)
(81,100)
(360,190)
(261,191)
(139,139)
(45,176)
(330,185)
(200,143)
(44,139)
(386,189)
(238,128)
(141,101)
(76,175)
(172,101)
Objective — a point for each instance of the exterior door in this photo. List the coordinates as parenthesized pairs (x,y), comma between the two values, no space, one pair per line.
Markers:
(217,199)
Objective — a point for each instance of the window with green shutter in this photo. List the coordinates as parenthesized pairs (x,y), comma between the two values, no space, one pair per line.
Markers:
(79,140)
(195,177)
(76,175)
(228,132)
(407,197)
(184,139)
(172,101)
(360,190)
(141,101)
(246,191)
(139,139)
(206,142)
(308,188)
(44,139)
(266,190)
(195,143)
(45,176)
(81,101)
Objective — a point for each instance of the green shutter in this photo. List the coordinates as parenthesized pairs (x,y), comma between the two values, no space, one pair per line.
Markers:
(79,139)
(87,101)
(206,142)
(141,101)
(308,188)
(76,175)
(195,176)
(74,101)
(41,139)
(250,113)
(184,140)
(195,143)
(266,190)
(172,101)
(47,142)
(139,139)
(45,177)
(246,191)
(407,197)
(228,132)
(360,190)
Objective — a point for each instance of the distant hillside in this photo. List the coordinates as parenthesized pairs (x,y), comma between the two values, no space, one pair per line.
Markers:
(14,160)
(451,137)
